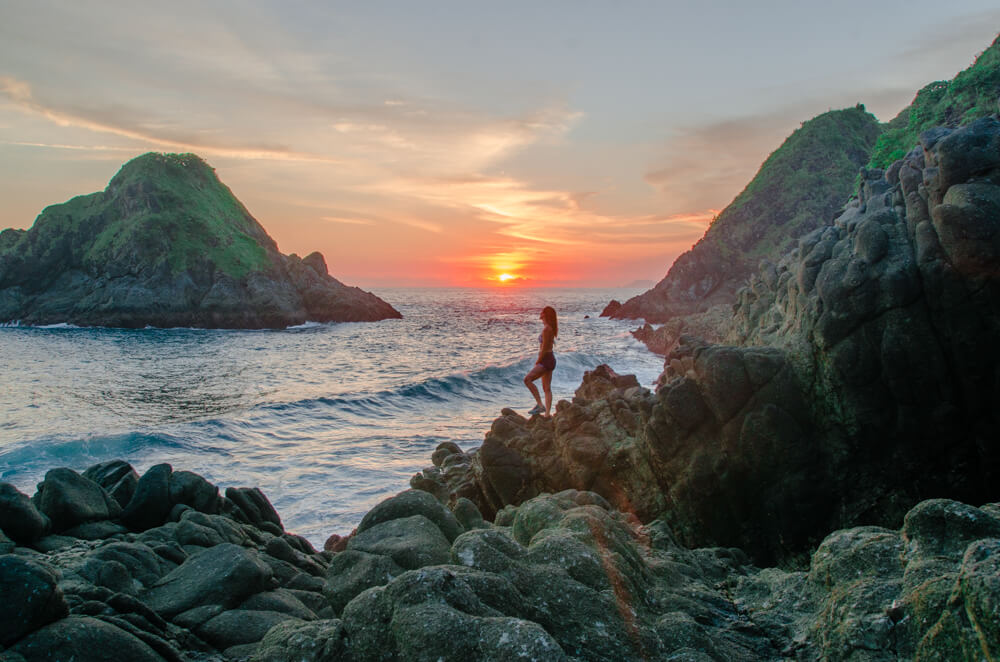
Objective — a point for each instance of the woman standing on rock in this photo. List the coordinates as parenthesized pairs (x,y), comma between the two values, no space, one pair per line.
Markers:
(546,362)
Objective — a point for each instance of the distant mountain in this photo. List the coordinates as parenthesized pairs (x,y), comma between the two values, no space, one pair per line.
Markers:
(639,283)
(166,244)
(970,95)
(799,188)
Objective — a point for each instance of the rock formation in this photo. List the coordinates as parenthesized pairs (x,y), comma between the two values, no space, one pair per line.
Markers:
(166,244)
(799,187)
(862,376)
(560,577)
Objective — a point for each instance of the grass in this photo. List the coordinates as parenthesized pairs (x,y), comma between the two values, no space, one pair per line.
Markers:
(798,188)
(160,209)
(970,95)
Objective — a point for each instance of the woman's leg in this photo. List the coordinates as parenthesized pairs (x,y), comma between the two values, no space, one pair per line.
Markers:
(547,387)
(529,381)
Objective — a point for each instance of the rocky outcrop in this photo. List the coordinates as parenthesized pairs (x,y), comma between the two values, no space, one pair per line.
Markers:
(861,377)
(179,571)
(562,576)
(797,189)
(166,244)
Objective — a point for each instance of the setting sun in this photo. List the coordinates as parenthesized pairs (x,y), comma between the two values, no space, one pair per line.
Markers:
(503,278)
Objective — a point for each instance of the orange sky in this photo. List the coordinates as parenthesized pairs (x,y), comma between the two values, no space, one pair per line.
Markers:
(417,147)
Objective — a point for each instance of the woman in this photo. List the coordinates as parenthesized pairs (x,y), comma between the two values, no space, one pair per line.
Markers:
(546,362)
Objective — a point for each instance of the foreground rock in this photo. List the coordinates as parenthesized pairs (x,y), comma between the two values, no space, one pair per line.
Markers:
(176,572)
(167,245)
(561,577)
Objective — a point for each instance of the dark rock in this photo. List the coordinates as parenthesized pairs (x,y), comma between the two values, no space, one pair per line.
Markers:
(240,626)
(6,544)
(31,598)
(117,477)
(54,543)
(150,505)
(468,515)
(225,575)
(412,542)
(255,506)
(317,641)
(409,503)
(68,499)
(19,518)
(280,600)
(84,639)
(96,530)
(613,307)
(193,490)
(352,572)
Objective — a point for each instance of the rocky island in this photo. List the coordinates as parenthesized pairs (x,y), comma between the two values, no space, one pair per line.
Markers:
(166,244)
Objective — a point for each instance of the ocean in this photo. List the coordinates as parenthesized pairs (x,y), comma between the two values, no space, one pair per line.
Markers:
(327,419)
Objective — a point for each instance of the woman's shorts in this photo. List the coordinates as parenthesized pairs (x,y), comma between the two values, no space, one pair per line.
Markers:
(548,362)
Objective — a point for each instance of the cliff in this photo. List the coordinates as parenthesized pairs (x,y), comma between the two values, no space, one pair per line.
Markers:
(861,376)
(798,188)
(166,244)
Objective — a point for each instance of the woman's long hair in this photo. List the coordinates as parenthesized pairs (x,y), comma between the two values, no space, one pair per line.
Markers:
(549,315)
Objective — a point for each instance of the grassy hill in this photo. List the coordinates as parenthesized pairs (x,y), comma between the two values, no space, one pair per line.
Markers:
(970,95)
(797,189)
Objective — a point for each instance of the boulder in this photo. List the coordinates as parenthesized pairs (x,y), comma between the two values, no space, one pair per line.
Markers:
(240,626)
(317,641)
(411,542)
(31,598)
(117,477)
(222,575)
(150,504)
(409,503)
(84,639)
(256,508)
(19,518)
(68,499)
(352,572)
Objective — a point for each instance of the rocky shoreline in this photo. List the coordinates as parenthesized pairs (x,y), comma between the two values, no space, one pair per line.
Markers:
(165,568)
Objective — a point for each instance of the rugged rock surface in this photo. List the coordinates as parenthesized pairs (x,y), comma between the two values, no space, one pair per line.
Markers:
(798,188)
(862,377)
(178,573)
(166,244)
(562,576)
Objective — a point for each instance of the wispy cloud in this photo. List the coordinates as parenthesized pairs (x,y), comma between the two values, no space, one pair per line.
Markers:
(20,95)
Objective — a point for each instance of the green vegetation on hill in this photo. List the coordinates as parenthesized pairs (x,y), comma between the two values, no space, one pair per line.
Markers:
(970,95)
(798,187)
(159,210)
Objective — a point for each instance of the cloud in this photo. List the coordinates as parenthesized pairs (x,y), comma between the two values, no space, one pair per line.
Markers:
(114,121)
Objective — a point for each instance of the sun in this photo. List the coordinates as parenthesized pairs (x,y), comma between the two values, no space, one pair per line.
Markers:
(503,278)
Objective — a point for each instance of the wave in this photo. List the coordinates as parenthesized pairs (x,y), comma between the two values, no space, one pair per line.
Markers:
(492,384)
(31,459)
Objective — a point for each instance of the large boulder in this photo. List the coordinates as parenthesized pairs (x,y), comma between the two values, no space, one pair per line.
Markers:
(222,575)
(117,477)
(68,499)
(19,518)
(411,542)
(84,639)
(31,598)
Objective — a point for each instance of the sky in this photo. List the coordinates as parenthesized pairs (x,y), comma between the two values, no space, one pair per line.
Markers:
(566,143)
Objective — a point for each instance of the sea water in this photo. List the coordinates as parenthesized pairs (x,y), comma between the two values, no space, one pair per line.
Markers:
(327,419)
